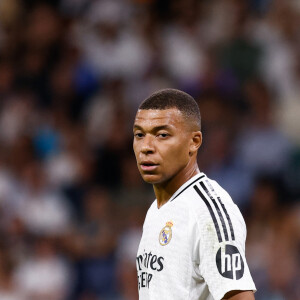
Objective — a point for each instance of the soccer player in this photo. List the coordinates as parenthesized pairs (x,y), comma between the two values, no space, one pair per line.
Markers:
(193,242)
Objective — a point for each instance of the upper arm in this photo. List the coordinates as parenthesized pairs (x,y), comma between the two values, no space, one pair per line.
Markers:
(239,295)
(222,261)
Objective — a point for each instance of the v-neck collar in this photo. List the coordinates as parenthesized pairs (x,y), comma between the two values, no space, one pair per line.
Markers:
(185,186)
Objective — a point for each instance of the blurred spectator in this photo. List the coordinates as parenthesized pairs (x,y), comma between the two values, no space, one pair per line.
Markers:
(109,44)
(93,244)
(261,147)
(43,211)
(8,290)
(273,229)
(43,276)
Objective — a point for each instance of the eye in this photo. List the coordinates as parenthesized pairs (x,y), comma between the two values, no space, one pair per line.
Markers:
(163,135)
(138,135)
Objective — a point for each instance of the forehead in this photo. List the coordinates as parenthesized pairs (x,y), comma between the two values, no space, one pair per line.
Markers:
(156,117)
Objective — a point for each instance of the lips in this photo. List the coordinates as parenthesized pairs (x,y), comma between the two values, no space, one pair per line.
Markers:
(148,165)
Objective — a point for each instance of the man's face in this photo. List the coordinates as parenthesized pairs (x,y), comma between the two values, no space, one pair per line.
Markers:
(161,144)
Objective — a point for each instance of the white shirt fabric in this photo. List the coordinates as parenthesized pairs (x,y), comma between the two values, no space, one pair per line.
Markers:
(193,247)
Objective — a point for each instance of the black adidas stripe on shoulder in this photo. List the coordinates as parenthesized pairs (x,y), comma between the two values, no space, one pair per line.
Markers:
(209,197)
(211,212)
(208,193)
(188,187)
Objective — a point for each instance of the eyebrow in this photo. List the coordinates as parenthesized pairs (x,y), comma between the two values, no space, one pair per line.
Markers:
(156,128)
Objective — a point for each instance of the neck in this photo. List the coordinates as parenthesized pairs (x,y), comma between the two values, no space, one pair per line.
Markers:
(164,191)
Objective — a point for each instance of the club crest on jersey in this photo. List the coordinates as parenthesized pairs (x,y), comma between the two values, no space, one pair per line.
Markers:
(165,234)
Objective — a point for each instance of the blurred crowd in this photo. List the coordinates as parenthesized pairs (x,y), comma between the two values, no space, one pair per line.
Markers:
(72,74)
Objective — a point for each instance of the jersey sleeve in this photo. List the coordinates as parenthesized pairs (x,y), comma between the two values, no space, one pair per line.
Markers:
(219,245)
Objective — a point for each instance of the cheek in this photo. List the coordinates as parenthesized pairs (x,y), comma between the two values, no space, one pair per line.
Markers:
(177,155)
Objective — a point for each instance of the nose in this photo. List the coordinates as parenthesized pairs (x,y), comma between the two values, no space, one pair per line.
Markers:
(147,146)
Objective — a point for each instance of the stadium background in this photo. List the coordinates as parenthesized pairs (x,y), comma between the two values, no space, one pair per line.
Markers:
(72,73)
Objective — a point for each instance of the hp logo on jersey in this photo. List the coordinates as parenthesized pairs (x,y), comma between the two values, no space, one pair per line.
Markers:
(230,262)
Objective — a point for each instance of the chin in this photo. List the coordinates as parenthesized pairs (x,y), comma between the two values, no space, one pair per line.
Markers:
(151,178)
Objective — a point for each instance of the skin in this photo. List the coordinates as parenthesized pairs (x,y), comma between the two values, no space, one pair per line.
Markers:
(166,146)
(239,295)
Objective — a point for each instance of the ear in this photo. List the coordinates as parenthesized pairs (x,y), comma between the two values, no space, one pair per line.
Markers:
(195,142)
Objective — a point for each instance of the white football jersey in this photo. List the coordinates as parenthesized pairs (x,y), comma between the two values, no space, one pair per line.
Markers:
(193,247)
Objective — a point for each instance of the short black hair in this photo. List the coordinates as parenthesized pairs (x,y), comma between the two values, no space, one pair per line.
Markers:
(173,98)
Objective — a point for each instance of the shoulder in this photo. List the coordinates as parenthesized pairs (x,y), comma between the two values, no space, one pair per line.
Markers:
(206,192)
(217,238)
(212,207)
